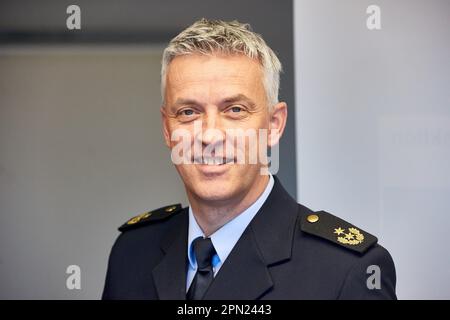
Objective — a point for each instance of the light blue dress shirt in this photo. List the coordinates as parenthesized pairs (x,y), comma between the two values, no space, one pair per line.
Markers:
(226,237)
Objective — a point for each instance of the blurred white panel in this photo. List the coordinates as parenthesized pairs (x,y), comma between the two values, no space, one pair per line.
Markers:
(373,128)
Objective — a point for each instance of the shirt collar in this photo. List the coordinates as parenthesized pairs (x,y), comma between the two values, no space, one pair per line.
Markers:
(226,237)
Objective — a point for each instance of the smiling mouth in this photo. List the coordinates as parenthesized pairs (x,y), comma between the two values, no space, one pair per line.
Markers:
(213,161)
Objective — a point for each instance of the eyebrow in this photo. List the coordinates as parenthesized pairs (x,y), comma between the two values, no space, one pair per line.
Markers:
(240,97)
(232,99)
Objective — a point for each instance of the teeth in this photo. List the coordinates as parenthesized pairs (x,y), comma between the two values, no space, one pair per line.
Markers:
(212,161)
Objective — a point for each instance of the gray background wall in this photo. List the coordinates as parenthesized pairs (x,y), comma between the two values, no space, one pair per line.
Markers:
(373,128)
(81,148)
(81,152)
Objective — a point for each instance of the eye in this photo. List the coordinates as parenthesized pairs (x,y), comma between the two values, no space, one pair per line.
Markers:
(236,109)
(186,112)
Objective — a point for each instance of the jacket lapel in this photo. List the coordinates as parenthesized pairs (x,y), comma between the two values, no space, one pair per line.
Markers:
(244,275)
(267,240)
(170,274)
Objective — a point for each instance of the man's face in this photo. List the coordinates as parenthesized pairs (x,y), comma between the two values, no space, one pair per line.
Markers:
(215,94)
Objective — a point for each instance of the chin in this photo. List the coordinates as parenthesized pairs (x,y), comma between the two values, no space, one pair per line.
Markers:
(213,191)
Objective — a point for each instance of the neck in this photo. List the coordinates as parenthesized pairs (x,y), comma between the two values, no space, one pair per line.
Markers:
(211,215)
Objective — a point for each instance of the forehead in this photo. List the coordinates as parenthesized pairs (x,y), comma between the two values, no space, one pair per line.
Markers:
(206,75)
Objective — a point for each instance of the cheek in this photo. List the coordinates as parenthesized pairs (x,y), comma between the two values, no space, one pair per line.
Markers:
(179,133)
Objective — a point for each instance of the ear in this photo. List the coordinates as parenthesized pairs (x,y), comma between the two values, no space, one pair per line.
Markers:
(278,118)
(165,126)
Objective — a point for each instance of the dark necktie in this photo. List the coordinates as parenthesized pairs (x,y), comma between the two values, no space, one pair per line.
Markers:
(204,251)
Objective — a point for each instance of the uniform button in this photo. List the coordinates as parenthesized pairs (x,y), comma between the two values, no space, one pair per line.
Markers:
(313,218)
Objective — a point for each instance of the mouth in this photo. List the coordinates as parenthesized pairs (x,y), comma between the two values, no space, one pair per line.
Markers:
(213,161)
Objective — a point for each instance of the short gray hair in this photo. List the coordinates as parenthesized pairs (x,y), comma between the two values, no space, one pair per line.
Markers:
(208,36)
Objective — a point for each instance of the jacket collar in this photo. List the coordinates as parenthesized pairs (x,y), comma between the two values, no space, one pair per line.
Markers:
(169,275)
(275,224)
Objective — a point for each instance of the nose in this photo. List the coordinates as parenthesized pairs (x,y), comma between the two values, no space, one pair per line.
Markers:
(211,131)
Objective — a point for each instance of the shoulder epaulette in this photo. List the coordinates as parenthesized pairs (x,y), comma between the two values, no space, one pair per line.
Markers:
(325,225)
(151,216)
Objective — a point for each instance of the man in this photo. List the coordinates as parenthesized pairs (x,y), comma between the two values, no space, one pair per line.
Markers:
(242,236)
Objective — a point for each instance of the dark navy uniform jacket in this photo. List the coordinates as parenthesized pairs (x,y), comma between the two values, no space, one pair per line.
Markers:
(286,252)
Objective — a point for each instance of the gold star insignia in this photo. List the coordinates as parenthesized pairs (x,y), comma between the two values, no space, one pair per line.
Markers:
(349,236)
(352,237)
(339,231)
